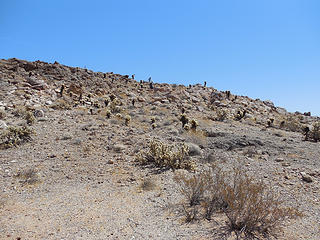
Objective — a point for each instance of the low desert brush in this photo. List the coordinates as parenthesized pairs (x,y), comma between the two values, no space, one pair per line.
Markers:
(315,132)
(14,136)
(165,156)
(252,207)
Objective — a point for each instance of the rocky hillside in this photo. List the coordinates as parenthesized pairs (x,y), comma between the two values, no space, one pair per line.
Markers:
(71,137)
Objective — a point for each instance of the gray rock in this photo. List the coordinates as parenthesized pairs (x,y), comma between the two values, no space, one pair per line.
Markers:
(3,125)
(305,177)
(119,148)
(279,159)
(194,149)
(38,113)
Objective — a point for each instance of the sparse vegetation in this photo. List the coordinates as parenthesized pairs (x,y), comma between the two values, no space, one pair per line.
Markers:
(30,118)
(194,124)
(14,136)
(28,176)
(184,120)
(165,156)
(147,184)
(315,132)
(252,208)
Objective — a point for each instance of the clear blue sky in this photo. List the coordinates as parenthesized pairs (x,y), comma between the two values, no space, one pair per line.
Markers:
(267,49)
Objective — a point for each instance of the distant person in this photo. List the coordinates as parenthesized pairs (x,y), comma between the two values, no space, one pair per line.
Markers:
(149,79)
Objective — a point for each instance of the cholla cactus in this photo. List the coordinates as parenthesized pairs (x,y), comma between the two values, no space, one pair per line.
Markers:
(184,120)
(108,113)
(194,124)
(30,118)
(153,125)
(165,156)
(153,120)
(186,127)
(127,119)
(119,116)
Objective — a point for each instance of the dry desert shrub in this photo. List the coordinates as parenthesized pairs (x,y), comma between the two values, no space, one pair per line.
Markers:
(251,207)
(147,184)
(166,156)
(28,176)
(192,188)
(315,132)
(14,136)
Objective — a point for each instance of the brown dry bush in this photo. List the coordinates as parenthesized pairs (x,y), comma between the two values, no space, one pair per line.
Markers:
(213,200)
(192,188)
(28,176)
(252,208)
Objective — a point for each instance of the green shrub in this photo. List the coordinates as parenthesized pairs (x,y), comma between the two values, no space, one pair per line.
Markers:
(165,156)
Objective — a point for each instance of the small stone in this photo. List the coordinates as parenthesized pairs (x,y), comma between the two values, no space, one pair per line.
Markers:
(279,159)
(194,149)
(119,148)
(48,102)
(38,113)
(285,164)
(3,125)
(305,177)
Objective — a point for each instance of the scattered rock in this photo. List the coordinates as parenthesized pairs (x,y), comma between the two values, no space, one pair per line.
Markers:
(194,149)
(3,125)
(38,113)
(119,148)
(305,177)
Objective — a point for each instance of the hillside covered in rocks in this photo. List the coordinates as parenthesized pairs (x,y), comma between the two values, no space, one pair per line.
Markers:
(71,140)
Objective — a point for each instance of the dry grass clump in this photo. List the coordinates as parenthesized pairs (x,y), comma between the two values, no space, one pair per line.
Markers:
(251,207)
(147,184)
(165,156)
(14,136)
(28,176)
